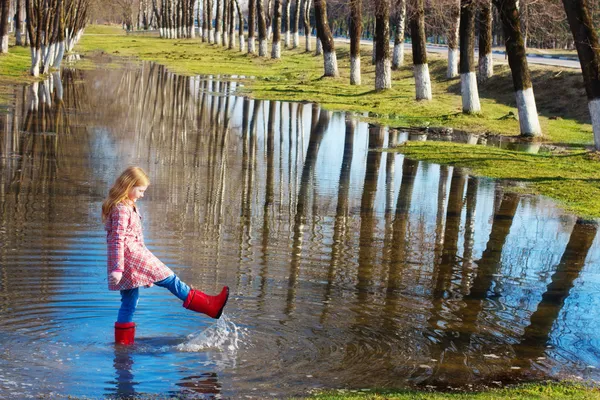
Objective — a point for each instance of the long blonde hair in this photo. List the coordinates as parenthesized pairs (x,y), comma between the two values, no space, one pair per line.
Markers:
(119,192)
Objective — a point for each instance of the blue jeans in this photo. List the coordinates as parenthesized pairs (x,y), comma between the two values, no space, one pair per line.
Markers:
(130,297)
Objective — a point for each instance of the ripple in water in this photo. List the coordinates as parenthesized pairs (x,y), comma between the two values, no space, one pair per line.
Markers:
(223,335)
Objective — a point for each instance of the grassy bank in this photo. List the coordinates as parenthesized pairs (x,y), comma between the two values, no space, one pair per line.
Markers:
(568,176)
(523,392)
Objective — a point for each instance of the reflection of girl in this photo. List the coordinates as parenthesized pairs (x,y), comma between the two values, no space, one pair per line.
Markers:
(131,264)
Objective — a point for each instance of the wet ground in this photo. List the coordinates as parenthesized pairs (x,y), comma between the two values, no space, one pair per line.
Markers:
(348,268)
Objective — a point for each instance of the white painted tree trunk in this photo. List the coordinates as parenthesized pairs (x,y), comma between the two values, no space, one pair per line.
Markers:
(276,50)
(528,117)
(486,67)
(307,43)
(34,98)
(36,57)
(60,53)
(232,41)
(58,87)
(470,94)
(161,32)
(270,32)
(319,50)
(296,40)
(192,31)
(453,58)
(205,34)
(422,82)
(383,74)
(218,37)
(398,56)
(251,46)
(262,47)
(288,38)
(242,43)
(4,44)
(330,63)
(355,75)
(594,106)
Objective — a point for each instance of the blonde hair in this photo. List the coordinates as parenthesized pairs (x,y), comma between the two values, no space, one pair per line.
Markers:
(119,192)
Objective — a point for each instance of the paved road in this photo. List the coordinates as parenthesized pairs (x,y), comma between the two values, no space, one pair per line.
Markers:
(498,56)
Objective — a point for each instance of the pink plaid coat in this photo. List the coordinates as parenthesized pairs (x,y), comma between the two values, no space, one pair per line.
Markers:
(127,252)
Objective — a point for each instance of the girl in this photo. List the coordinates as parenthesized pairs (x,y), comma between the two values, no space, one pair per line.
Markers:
(131,264)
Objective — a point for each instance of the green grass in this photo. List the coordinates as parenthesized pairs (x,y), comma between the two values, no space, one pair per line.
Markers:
(540,391)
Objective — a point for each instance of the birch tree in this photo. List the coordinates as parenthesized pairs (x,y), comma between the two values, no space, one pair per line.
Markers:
(324,34)
(288,38)
(468,78)
(517,60)
(588,50)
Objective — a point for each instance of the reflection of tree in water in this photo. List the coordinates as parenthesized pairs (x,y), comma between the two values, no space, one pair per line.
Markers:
(39,153)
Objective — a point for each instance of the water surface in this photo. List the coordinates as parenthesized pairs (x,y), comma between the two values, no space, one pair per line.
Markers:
(349,267)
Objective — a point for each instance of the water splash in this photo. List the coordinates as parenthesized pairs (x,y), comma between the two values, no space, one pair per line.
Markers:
(224,335)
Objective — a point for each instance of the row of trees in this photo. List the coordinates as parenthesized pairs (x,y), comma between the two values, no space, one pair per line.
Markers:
(390,16)
(50,28)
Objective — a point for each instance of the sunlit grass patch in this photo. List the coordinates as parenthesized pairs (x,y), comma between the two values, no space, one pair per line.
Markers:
(571,177)
(541,391)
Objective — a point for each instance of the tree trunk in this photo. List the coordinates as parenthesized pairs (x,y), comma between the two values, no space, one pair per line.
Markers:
(276,47)
(355,36)
(517,59)
(232,11)
(588,50)
(383,66)
(211,29)
(486,61)
(453,55)
(296,24)
(262,29)
(307,8)
(19,24)
(288,38)
(419,49)
(468,78)
(224,36)
(324,34)
(4,22)
(398,57)
(251,26)
(218,23)
(240,26)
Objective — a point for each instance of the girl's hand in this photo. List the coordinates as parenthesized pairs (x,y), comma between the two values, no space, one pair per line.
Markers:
(149,285)
(115,277)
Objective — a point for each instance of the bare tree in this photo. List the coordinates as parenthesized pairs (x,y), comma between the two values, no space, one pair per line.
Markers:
(468,78)
(296,24)
(588,50)
(262,29)
(419,49)
(307,8)
(517,59)
(251,26)
(276,46)
(399,26)
(4,11)
(486,61)
(240,26)
(355,36)
(288,37)
(324,34)
(383,66)
(453,34)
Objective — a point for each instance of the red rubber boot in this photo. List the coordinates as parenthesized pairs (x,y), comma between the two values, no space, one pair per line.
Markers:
(124,333)
(209,305)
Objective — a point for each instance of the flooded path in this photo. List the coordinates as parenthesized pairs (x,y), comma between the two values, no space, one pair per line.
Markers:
(348,268)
